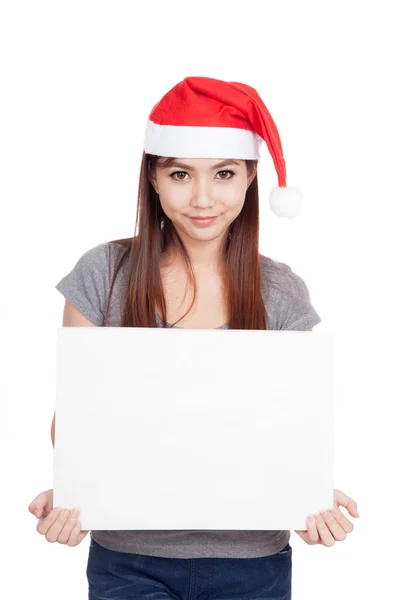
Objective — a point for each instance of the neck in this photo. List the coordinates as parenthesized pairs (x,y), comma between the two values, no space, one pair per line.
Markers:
(204,256)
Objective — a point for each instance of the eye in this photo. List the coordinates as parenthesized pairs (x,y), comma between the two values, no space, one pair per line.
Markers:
(232,173)
(178,173)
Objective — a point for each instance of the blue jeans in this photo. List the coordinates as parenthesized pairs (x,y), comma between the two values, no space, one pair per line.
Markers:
(127,576)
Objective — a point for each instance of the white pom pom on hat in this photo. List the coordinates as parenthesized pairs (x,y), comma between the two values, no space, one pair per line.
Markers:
(286,201)
(201,117)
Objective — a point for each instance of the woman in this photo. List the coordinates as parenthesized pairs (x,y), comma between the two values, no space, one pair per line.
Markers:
(194,260)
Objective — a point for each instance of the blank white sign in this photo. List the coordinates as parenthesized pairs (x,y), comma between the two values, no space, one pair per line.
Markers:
(194,428)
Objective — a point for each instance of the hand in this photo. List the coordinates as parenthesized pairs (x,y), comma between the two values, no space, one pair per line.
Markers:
(330,526)
(56,527)
(42,505)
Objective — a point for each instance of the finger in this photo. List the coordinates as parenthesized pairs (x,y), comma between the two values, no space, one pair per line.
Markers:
(56,528)
(41,515)
(42,505)
(342,520)
(342,499)
(45,523)
(323,531)
(33,509)
(36,508)
(312,530)
(69,526)
(334,527)
(77,535)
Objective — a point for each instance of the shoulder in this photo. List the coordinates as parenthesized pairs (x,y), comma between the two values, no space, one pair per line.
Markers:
(94,257)
(86,285)
(103,252)
(286,297)
(281,278)
(102,259)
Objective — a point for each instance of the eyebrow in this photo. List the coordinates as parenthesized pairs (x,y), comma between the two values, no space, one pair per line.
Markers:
(223,163)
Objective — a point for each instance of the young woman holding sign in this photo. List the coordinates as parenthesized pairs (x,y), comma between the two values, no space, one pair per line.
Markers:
(194,262)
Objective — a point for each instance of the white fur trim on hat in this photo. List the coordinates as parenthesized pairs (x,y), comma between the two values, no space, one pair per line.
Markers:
(201,142)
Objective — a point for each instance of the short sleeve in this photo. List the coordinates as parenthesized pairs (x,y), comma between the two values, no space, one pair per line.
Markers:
(86,285)
(294,310)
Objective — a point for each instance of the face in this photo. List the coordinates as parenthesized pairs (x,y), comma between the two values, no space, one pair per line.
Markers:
(202,187)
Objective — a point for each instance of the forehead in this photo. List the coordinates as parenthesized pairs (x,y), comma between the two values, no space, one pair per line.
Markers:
(199,164)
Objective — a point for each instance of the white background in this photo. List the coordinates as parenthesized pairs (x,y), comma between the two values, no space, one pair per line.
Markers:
(79,80)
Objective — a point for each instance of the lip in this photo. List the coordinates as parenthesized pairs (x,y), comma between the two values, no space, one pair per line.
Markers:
(203,221)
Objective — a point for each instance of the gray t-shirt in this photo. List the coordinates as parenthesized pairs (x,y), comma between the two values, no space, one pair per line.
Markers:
(288,306)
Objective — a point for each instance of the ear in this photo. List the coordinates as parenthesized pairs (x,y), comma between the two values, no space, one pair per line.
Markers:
(152,181)
(251,176)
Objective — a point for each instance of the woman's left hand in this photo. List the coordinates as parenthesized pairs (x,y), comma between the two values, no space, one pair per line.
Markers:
(330,526)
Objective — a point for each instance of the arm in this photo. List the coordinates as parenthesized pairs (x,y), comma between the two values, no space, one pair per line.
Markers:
(72,317)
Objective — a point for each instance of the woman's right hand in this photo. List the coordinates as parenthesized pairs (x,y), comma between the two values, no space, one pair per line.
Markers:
(53,524)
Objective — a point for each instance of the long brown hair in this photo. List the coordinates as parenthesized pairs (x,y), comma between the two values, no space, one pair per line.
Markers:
(143,285)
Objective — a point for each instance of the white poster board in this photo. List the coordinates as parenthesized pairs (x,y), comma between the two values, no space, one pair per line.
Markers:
(194,428)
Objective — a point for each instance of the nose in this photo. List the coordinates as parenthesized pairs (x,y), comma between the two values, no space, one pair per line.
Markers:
(201,194)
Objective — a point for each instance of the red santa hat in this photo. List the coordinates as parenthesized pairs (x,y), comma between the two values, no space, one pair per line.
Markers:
(202,117)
